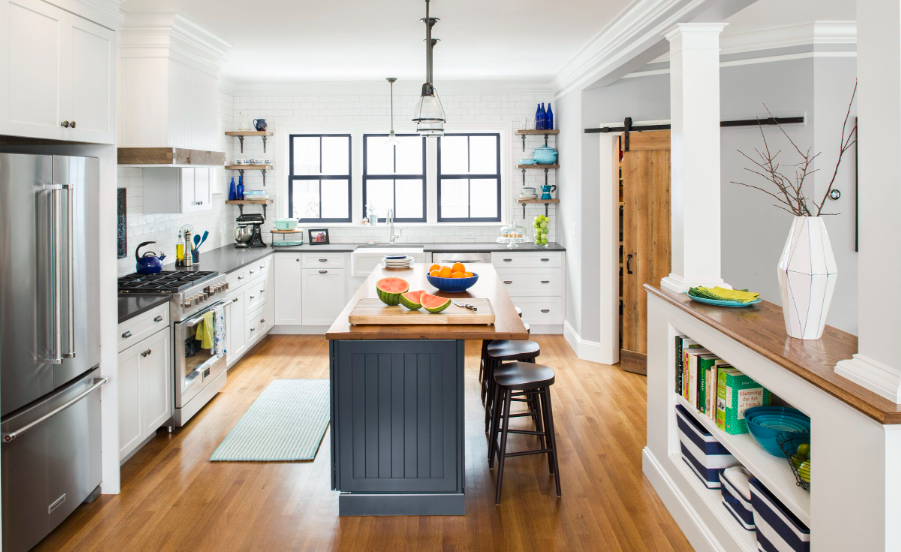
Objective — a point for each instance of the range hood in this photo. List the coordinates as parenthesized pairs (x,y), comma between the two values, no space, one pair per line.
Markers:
(167,110)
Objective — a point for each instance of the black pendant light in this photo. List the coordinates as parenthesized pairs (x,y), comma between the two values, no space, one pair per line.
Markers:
(428,114)
(392,137)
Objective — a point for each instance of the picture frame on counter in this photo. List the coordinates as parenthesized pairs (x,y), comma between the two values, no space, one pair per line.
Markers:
(319,236)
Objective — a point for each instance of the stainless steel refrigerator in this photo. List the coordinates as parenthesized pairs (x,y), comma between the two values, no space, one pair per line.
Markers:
(49,342)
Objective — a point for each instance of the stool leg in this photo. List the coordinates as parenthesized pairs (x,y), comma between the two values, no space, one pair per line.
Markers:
(489,396)
(493,430)
(502,453)
(482,361)
(539,414)
(553,437)
(547,426)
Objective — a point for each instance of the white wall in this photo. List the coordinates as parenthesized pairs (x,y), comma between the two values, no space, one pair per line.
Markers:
(753,231)
(569,113)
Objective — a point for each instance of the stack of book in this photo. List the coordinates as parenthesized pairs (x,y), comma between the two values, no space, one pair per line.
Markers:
(715,388)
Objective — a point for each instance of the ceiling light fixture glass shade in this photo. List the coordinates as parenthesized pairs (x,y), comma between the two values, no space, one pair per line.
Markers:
(428,113)
(392,138)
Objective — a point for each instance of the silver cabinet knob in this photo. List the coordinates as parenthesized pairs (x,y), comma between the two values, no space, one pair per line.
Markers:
(158,318)
(64,124)
(126,335)
(72,124)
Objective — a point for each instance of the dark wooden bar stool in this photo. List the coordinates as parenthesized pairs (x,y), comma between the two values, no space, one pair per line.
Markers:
(485,350)
(529,379)
(498,352)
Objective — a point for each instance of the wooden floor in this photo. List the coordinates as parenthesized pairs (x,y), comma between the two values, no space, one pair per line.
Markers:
(173,498)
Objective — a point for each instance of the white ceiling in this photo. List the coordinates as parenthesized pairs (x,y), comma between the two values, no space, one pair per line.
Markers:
(300,40)
(765,14)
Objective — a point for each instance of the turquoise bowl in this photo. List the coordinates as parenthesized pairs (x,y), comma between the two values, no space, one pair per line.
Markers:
(285,224)
(766,423)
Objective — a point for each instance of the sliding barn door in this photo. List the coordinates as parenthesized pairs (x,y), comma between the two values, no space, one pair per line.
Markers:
(646,236)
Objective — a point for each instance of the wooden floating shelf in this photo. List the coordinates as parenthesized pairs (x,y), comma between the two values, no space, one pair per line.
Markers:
(537,166)
(274,231)
(242,133)
(250,167)
(537,131)
(248,201)
(521,200)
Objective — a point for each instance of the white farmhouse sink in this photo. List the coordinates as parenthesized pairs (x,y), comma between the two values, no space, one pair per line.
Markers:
(364,259)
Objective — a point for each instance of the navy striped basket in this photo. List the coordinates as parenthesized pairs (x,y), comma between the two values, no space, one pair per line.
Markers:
(701,451)
(737,497)
(778,530)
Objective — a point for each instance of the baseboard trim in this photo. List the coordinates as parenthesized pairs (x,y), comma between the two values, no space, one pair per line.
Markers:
(677,505)
(584,349)
(547,329)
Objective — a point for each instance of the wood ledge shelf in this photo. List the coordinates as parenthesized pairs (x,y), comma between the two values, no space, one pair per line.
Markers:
(761,328)
(537,166)
(249,167)
(248,201)
(248,133)
(274,231)
(537,131)
(521,200)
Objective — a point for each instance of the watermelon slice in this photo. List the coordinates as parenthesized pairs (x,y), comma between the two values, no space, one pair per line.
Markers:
(433,303)
(411,300)
(390,290)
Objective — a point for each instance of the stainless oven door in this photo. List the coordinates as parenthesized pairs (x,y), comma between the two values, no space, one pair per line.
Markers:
(194,366)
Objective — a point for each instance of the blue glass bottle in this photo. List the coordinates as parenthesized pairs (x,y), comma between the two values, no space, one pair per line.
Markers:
(240,190)
(538,117)
(232,192)
(549,119)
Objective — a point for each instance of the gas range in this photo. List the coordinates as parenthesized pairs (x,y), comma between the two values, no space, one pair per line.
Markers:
(189,291)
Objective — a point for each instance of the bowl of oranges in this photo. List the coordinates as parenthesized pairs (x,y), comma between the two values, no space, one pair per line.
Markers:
(451,278)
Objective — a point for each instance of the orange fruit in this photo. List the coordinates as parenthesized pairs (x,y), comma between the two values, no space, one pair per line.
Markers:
(434,267)
(433,273)
(467,274)
(458,275)
(458,267)
(445,272)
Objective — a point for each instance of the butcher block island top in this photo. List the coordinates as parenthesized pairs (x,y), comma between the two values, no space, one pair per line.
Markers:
(507,324)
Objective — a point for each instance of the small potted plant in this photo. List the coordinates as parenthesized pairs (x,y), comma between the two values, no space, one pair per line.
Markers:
(807,270)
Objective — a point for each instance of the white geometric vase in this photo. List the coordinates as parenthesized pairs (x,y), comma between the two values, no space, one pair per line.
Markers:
(807,274)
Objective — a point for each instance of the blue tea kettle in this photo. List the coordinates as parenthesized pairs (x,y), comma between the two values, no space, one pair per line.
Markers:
(260,124)
(148,263)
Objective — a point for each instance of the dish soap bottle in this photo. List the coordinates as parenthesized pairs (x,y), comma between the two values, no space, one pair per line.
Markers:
(232,191)
(240,190)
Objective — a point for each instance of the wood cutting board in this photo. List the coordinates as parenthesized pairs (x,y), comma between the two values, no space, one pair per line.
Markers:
(371,310)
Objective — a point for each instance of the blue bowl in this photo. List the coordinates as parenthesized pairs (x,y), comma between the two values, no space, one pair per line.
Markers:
(453,285)
(766,423)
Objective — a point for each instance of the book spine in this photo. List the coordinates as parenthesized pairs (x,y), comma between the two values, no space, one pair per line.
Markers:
(693,381)
(702,388)
(678,364)
(721,400)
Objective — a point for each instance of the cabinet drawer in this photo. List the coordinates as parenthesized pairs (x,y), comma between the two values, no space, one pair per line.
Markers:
(257,268)
(236,278)
(527,259)
(541,310)
(142,326)
(255,293)
(325,260)
(256,325)
(541,282)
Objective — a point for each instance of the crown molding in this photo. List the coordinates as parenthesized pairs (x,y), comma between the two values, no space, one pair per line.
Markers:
(815,33)
(380,87)
(105,12)
(163,34)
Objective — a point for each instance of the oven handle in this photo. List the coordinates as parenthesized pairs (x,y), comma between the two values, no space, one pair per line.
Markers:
(9,437)
(194,320)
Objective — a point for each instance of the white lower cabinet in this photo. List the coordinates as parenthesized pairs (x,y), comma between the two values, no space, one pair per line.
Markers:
(287,271)
(145,390)
(255,326)
(235,323)
(323,295)
(534,280)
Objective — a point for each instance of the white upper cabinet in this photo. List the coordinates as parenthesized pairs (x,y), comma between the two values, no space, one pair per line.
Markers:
(56,74)
(177,190)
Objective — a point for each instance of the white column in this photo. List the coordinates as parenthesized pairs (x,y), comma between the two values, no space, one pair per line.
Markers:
(695,149)
(877,365)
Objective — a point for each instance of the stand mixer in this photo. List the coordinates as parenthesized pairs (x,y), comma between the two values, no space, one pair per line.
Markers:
(248,232)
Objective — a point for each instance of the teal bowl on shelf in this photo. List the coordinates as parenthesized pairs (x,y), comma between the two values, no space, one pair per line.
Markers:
(767,423)
(285,224)
(545,156)
(453,285)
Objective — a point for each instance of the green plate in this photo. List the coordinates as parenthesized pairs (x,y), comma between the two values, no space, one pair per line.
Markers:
(720,303)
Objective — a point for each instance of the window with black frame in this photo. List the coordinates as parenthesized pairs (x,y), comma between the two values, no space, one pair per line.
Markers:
(394,177)
(319,177)
(469,178)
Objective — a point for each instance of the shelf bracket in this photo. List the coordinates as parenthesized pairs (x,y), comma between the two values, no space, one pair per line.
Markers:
(545,177)
(241,210)
(545,140)
(546,205)
(241,139)
(264,145)
(263,171)
(241,172)
(524,211)
(523,142)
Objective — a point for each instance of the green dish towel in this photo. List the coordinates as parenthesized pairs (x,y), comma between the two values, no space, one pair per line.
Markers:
(205,331)
(722,294)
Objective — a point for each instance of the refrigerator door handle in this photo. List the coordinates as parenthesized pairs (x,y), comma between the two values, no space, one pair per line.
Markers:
(55,276)
(8,437)
(70,276)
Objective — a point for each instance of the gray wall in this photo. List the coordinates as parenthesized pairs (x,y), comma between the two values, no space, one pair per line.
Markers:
(753,231)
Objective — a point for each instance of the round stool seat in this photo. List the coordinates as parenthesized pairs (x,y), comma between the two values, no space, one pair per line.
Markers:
(524,376)
(519,311)
(513,349)
(528,328)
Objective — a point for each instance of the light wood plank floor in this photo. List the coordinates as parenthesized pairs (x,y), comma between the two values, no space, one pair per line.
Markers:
(173,498)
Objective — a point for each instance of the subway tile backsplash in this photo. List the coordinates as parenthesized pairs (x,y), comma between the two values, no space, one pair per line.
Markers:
(291,108)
